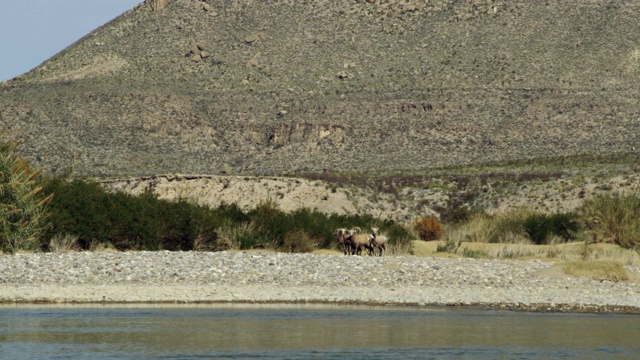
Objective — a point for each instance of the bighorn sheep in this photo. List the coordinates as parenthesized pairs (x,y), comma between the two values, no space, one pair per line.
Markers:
(342,235)
(359,241)
(377,242)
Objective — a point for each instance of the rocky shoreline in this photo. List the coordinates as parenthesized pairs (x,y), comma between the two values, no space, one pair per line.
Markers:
(265,277)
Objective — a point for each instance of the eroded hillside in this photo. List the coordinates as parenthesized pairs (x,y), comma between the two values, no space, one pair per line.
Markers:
(286,87)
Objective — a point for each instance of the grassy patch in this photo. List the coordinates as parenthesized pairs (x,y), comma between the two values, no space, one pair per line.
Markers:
(597,270)
(573,251)
(476,254)
(400,249)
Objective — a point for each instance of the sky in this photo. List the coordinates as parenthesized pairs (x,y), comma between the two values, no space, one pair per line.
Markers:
(32,31)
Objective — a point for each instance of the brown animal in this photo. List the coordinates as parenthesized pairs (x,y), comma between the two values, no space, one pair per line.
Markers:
(359,241)
(342,235)
(378,242)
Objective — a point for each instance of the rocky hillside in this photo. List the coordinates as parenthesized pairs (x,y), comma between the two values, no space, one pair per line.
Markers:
(287,87)
(395,198)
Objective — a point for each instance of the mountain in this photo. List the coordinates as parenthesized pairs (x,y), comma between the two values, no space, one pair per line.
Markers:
(305,86)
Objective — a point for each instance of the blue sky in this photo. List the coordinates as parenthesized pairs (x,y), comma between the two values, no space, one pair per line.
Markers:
(31,31)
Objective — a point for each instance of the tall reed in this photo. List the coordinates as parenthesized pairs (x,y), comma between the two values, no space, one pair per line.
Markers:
(613,218)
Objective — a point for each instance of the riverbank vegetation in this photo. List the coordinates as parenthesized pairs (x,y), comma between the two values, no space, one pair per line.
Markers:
(22,203)
(604,227)
(98,218)
(82,208)
(62,213)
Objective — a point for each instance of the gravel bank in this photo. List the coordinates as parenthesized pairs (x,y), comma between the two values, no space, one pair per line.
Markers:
(199,277)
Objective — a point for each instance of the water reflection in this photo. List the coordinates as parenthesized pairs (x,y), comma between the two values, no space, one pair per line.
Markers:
(289,331)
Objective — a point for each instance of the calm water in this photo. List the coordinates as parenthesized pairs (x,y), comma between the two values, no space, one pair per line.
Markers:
(309,332)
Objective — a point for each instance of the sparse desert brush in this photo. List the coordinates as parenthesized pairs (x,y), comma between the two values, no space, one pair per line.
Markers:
(455,212)
(428,227)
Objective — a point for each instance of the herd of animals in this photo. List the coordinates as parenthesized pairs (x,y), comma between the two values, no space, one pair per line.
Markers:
(353,241)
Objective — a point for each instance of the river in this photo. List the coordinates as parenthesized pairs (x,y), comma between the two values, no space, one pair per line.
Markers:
(309,332)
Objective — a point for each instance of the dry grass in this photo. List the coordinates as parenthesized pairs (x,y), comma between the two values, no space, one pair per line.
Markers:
(429,248)
(597,270)
(503,228)
(64,244)
(298,242)
(327,252)
(97,246)
(399,249)
(575,251)
(200,243)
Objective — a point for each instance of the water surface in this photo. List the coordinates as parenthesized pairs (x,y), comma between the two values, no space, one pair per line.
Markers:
(309,331)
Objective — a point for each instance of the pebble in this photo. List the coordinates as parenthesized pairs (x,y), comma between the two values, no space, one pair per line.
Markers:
(281,277)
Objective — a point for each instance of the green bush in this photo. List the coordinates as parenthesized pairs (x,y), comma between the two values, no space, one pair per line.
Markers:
(231,212)
(84,209)
(271,222)
(541,227)
(23,207)
(398,235)
(613,218)
(272,227)
(275,224)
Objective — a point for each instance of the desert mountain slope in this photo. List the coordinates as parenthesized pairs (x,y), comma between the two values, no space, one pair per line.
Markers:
(277,87)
